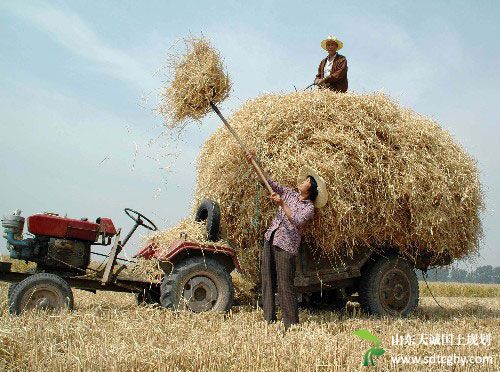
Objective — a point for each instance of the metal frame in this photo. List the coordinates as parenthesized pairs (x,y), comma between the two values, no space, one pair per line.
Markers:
(313,273)
(113,254)
(79,282)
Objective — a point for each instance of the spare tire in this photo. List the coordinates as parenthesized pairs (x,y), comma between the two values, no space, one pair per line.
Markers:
(209,211)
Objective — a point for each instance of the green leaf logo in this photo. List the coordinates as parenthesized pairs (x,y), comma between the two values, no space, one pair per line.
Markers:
(375,350)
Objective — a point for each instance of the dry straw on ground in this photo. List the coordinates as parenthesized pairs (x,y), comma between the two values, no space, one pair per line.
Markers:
(395,178)
(198,79)
(109,332)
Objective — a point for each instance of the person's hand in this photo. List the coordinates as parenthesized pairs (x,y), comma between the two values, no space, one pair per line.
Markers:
(276,199)
(249,154)
(321,81)
(316,81)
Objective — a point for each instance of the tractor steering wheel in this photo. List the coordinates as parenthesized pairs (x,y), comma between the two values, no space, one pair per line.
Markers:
(139,220)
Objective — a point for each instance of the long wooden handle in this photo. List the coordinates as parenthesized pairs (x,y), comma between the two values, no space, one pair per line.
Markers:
(243,147)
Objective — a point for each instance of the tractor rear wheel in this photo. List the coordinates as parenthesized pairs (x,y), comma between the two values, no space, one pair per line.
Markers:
(12,286)
(199,284)
(389,287)
(41,291)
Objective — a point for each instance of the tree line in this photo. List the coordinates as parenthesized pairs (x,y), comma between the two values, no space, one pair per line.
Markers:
(482,274)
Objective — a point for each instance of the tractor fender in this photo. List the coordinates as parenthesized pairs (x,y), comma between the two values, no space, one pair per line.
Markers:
(182,249)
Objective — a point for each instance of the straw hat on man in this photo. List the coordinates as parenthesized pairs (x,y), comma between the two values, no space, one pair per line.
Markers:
(332,71)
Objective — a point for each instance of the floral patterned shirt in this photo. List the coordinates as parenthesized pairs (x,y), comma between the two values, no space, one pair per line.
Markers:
(288,233)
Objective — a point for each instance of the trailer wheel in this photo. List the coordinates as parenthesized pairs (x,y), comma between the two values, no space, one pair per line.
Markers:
(389,287)
(199,284)
(41,291)
(209,211)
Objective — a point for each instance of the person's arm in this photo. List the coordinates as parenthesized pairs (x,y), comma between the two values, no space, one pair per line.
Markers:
(318,75)
(300,217)
(277,188)
(339,74)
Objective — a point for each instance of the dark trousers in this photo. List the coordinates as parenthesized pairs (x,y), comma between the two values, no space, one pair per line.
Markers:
(278,270)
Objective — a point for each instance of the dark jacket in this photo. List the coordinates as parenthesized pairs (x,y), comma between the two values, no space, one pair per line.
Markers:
(338,78)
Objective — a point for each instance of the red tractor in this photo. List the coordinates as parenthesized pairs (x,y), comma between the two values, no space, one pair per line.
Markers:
(196,276)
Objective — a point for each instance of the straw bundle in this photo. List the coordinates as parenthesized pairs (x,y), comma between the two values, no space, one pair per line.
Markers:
(198,79)
(188,228)
(145,269)
(395,178)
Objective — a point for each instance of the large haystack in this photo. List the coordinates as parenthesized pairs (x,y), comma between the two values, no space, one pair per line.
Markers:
(395,178)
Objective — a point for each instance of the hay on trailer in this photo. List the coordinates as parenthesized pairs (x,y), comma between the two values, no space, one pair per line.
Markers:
(244,289)
(395,178)
(198,79)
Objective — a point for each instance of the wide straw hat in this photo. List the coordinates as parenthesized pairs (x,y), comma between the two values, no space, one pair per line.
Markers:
(322,197)
(332,38)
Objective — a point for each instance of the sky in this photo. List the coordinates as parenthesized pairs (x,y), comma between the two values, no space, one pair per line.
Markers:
(80,80)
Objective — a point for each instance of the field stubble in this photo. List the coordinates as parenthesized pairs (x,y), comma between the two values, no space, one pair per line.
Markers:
(109,332)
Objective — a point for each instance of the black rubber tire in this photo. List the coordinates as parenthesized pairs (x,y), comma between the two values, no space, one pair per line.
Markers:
(209,211)
(12,286)
(149,296)
(173,284)
(28,287)
(375,294)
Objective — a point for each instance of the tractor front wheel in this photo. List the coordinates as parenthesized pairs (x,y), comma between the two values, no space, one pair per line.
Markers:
(199,284)
(42,291)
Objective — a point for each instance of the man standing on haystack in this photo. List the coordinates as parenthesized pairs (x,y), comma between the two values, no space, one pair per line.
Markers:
(332,71)
(282,240)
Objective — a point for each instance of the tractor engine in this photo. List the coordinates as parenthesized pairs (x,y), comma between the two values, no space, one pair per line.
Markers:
(58,243)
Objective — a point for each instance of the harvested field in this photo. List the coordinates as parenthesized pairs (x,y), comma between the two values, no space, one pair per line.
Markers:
(109,332)
(460,290)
